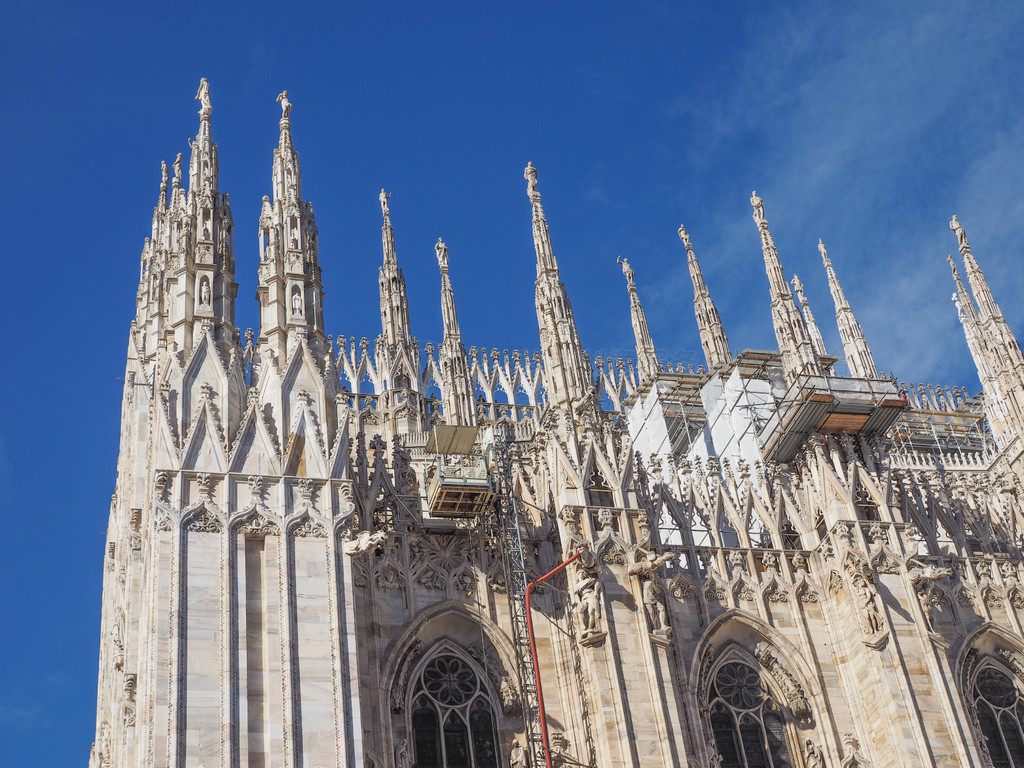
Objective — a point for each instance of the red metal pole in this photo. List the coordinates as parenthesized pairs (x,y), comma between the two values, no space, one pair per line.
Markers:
(533,654)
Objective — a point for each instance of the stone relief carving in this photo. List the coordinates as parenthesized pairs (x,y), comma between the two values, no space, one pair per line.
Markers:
(791,688)
(203,521)
(588,607)
(308,528)
(927,582)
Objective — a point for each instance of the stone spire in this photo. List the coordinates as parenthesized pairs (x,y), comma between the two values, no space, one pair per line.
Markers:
(798,353)
(1002,352)
(456,384)
(567,375)
(709,324)
(966,312)
(647,365)
(812,326)
(855,347)
(394,305)
(186,280)
(290,291)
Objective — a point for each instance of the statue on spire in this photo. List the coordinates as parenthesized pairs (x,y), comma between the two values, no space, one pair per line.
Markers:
(626,269)
(530,174)
(758,204)
(442,255)
(203,97)
(286,106)
(684,236)
(824,252)
(961,236)
(384,197)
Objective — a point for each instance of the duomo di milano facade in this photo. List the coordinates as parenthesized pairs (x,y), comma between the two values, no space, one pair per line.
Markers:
(319,549)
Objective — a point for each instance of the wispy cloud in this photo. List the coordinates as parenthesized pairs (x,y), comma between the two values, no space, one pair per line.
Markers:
(867,128)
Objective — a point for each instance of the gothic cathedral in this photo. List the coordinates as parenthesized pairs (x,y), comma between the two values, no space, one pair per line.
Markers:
(328,552)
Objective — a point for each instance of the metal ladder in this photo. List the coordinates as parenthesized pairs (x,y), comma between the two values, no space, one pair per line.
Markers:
(503,528)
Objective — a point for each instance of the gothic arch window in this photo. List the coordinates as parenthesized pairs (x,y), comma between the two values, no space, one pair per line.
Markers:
(748,726)
(452,718)
(999,709)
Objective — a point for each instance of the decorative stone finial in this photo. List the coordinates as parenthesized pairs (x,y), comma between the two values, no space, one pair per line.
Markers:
(685,237)
(530,174)
(442,255)
(286,106)
(203,97)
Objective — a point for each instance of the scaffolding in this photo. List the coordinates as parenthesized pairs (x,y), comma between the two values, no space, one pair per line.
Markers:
(503,526)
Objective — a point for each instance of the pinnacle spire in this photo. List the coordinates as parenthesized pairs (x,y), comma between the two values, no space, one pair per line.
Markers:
(646,357)
(812,326)
(795,345)
(566,369)
(855,347)
(394,304)
(191,251)
(456,389)
(290,290)
(709,324)
(541,235)
(999,346)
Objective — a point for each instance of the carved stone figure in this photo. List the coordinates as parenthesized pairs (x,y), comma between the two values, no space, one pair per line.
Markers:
(364,542)
(164,175)
(286,106)
(517,756)
(177,167)
(654,603)
(402,759)
(203,97)
(626,269)
(758,205)
(684,236)
(296,303)
(442,254)
(812,755)
(649,564)
(530,174)
(588,605)
(958,230)
(384,197)
(204,292)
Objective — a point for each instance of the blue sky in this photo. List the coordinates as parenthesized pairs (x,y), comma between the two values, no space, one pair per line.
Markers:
(866,125)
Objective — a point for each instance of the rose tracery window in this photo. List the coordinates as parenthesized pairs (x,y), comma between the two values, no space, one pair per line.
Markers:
(452,721)
(1000,711)
(747,725)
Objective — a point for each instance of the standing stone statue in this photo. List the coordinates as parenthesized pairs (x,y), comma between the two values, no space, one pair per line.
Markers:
(626,269)
(203,97)
(530,174)
(296,303)
(177,167)
(164,176)
(442,254)
(204,293)
(958,229)
(517,756)
(286,106)
(588,605)
(812,755)
(384,197)
(684,236)
(758,204)
(655,606)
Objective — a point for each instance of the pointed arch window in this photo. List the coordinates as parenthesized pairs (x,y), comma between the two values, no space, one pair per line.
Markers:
(999,707)
(453,723)
(747,725)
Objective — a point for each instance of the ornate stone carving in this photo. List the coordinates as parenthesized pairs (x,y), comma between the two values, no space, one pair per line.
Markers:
(308,528)
(203,521)
(791,688)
